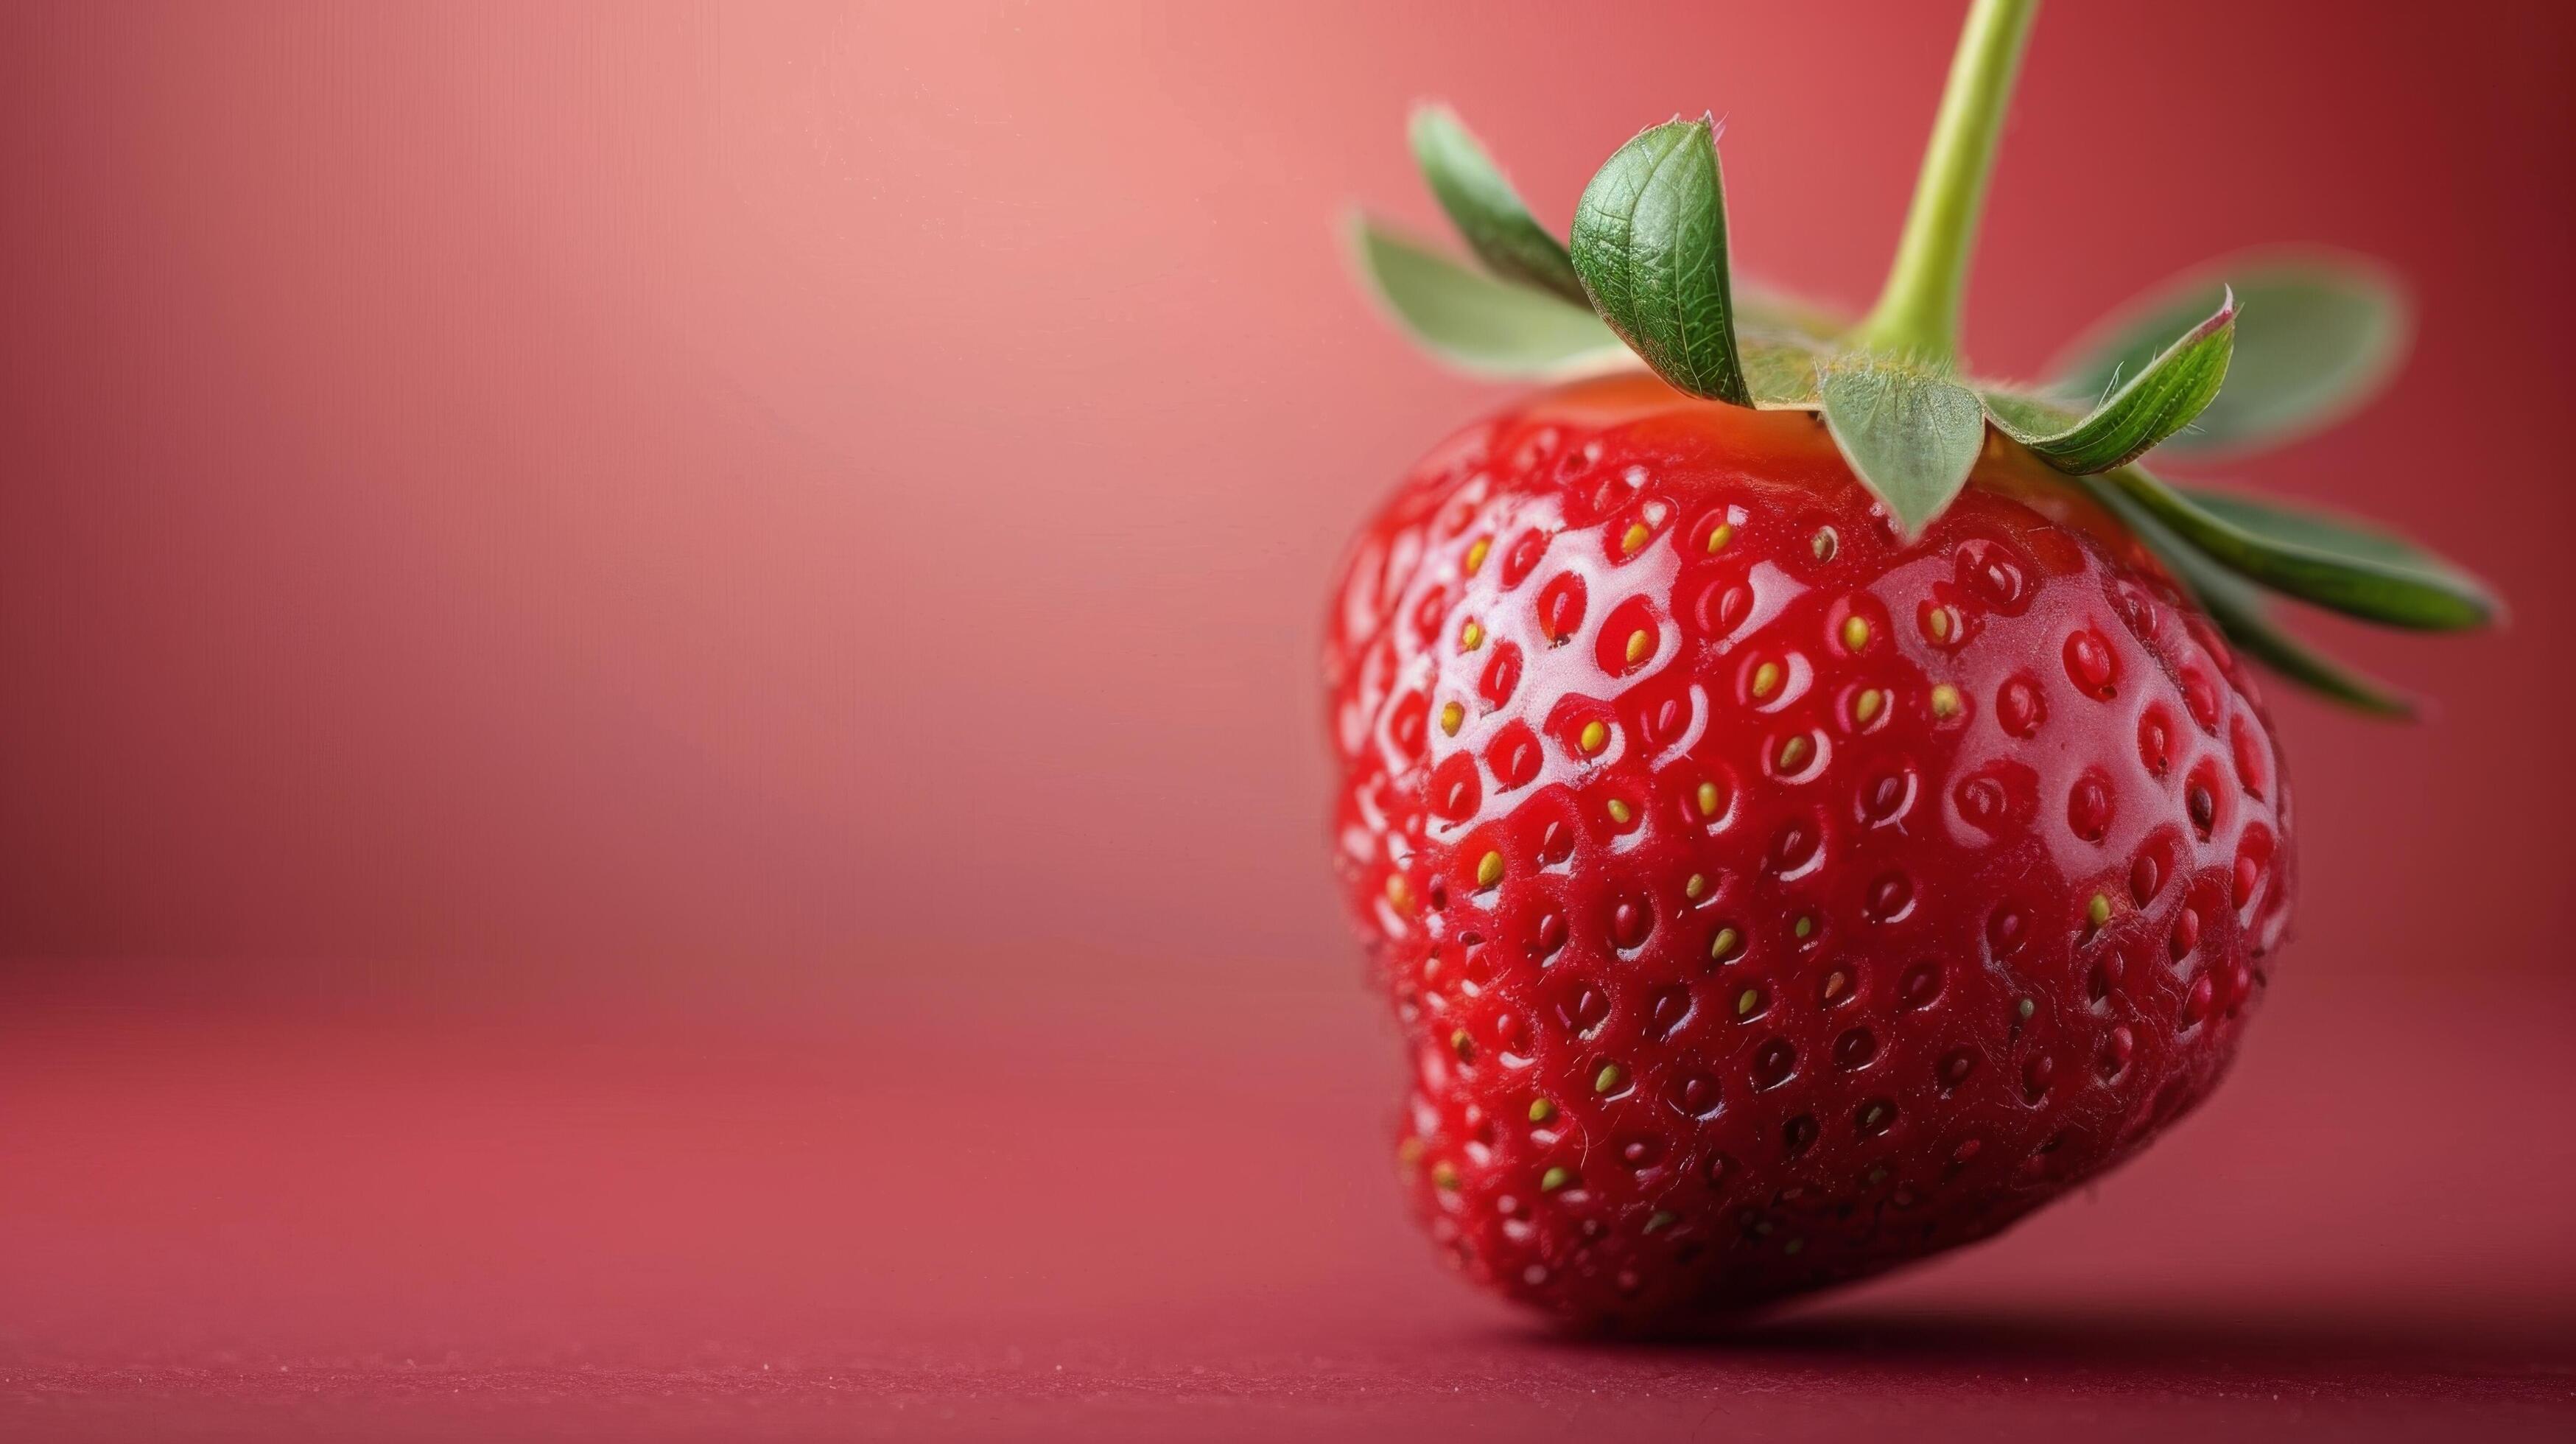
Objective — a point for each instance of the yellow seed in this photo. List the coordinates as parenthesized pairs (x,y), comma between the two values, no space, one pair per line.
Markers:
(1594,737)
(1751,999)
(1708,799)
(1409,1152)
(1489,869)
(1945,701)
(1462,1045)
(1541,1110)
(1476,554)
(1694,888)
(1635,538)
(1835,983)
(1451,716)
(1397,893)
(1444,1177)
(2026,1007)
(1938,624)
(1619,812)
(1659,1219)
(1824,543)
(1855,633)
(1793,753)
(2099,910)
(1471,636)
(1639,644)
(1722,947)
(1803,926)
(1766,678)
(1554,1179)
(1866,705)
(1608,1078)
(1718,539)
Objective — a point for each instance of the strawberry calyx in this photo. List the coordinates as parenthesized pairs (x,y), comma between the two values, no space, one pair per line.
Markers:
(1644,278)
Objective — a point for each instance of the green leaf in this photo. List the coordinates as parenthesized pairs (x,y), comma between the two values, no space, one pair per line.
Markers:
(1763,308)
(1479,324)
(2320,334)
(1911,436)
(2367,575)
(1782,372)
(2016,411)
(1650,245)
(2239,610)
(2323,531)
(1488,213)
(2159,399)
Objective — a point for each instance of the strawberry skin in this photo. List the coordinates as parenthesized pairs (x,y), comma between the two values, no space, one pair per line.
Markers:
(1767,901)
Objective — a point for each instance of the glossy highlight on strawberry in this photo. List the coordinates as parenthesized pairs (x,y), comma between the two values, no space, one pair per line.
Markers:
(1767,901)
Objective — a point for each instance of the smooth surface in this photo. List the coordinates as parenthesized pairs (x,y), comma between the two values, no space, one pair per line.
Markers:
(262,1215)
(699,624)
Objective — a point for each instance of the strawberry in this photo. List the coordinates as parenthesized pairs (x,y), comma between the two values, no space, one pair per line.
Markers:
(1807,809)
(1766,898)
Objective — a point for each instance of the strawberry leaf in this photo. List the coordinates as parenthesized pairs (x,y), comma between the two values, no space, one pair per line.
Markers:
(1783,372)
(2322,531)
(2238,608)
(1481,325)
(2362,574)
(2159,399)
(1911,436)
(1763,308)
(1649,242)
(1488,213)
(2320,334)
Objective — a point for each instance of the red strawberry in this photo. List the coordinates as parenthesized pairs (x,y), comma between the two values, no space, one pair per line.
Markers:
(1808,809)
(1767,900)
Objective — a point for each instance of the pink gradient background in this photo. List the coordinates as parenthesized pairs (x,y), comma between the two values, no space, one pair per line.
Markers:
(657,713)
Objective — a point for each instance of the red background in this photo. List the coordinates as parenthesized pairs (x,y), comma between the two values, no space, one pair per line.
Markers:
(657,713)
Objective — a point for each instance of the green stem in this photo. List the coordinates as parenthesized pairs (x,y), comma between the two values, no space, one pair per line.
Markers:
(1918,313)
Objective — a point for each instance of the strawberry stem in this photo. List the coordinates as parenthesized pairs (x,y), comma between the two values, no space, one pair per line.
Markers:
(1917,315)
